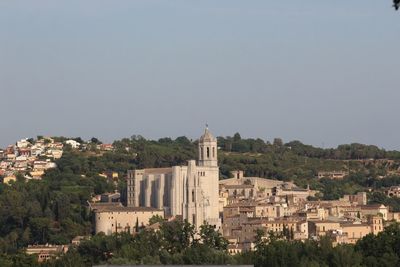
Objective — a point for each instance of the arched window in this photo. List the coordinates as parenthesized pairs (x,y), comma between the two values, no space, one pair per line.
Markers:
(192,195)
(208,152)
(213,152)
(202,153)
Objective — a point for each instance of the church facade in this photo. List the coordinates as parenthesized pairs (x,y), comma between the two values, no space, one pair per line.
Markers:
(189,191)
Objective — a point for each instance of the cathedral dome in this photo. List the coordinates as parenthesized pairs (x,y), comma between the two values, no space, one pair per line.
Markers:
(207,136)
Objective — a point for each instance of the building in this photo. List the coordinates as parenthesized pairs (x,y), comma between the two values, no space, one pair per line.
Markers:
(114,218)
(74,144)
(46,252)
(349,232)
(106,147)
(394,216)
(360,198)
(9,178)
(78,239)
(190,191)
(393,191)
(375,209)
(23,143)
(110,197)
(332,175)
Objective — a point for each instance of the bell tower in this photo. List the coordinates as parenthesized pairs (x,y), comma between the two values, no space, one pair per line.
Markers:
(208,149)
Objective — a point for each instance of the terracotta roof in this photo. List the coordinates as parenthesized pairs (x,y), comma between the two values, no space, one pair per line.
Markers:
(238,186)
(117,207)
(372,206)
(157,170)
(323,221)
(350,224)
(123,209)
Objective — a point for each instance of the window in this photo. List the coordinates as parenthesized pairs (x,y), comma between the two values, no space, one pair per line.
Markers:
(202,153)
(208,152)
(192,195)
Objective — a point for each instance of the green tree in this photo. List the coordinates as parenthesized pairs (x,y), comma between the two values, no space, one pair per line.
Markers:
(211,238)
(156,219)
(177,235)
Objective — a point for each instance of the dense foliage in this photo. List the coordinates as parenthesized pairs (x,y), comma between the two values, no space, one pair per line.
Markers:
(53,210)
(343,152)
(176,243)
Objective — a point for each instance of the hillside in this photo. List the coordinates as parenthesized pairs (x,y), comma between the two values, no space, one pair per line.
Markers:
(54,209)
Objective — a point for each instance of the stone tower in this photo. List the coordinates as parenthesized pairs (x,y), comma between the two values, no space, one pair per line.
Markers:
(208,150)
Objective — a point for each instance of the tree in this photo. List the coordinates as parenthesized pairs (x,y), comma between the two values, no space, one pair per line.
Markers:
(259,239)
(237,137)
(212,238)
(278,142)
(177,235)
(40,229)
(137,225)
(79,140)
(344,255)
(396,4)
(286,232)
(155,219)
(291,233)
(96,141)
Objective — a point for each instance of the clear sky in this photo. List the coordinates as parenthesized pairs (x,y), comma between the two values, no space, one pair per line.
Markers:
(322,72)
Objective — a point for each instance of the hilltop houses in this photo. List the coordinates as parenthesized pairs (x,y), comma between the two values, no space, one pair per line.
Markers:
(29,158)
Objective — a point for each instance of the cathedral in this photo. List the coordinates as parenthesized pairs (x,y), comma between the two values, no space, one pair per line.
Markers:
(189,191)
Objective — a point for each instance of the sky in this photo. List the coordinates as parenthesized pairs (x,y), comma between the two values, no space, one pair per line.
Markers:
(322,72)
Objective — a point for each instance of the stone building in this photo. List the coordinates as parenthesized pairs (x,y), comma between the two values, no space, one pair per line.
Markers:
(114,218)
(350,232)
(190,191)
(46,252)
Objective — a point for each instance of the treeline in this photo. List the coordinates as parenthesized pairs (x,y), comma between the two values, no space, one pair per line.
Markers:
(278,162)
(290,161)
(175,243)
(353,151)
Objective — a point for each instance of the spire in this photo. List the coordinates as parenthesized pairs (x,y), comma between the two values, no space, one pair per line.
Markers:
(207,136)
(208,149)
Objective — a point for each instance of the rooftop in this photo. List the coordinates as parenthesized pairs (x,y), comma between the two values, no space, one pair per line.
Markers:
(117,207)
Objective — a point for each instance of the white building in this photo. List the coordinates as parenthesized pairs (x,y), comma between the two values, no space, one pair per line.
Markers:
(74,144)
(23,143)
(190,191)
